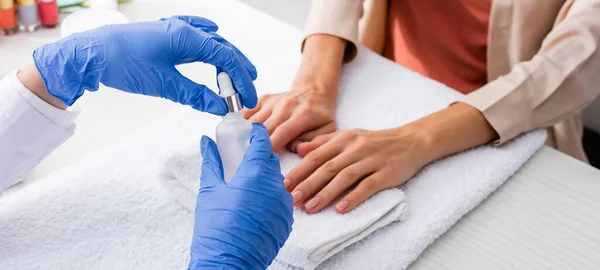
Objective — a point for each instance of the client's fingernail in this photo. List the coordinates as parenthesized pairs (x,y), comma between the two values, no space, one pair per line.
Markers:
(341,205)
(286,182)
(297,195)
(312,203)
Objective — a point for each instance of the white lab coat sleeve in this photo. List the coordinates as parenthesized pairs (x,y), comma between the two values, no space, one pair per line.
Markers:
(30,129)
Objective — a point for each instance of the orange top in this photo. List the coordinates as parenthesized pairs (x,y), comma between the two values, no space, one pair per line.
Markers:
(445,40)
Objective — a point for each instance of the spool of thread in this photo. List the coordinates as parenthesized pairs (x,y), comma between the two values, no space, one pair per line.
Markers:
(48,10)
(8,17)
(28,15)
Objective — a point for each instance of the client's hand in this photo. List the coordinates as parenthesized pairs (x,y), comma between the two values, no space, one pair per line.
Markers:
(308,110)
(241,224)
(371,161)
(299,114)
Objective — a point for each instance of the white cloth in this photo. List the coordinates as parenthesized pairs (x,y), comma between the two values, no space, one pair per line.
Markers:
(30,129)
(181,176)
(314,238)
(110,212)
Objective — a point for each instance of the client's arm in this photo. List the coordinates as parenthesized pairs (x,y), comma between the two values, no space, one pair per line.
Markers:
(308,108)
(376,160)
(560,80)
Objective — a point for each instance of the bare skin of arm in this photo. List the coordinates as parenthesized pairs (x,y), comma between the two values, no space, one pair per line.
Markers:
(373,25)
(31,78)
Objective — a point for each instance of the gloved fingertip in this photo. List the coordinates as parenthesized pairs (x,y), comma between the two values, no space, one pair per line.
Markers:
(208,101)
(248,93)
(198,22)
(260,135)
(205,146)
(259,129)
(251,69)
(251,103)
(260,143)
(209,151)
(217,107)
(204,140)
(212,168)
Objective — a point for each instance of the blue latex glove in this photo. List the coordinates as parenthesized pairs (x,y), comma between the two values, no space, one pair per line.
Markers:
(141,58)
(241,224)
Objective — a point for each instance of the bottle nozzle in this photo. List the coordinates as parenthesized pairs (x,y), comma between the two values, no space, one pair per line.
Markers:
(229,93)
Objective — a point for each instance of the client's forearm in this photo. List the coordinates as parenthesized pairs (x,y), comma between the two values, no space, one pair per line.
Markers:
(321,65)
(373,25)
(454,129)
(31,78)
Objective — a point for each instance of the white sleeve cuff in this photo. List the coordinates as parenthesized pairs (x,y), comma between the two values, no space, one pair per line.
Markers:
(30,129)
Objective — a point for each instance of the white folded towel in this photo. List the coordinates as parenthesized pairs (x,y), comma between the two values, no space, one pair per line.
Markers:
(376,93)
(110,212)
(181,176)
(315,237)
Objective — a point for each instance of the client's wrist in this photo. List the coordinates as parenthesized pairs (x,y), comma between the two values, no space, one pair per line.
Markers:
(322,83)
(315,90)
(453,129)
(30,77)
(321,65)
(421,139)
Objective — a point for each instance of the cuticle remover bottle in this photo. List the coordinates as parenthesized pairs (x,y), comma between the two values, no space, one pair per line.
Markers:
(233,133)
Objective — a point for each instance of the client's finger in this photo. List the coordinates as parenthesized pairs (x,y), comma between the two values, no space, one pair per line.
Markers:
(249,112)
(306,147)
(311,163)
(276,119)
(310,135)
(262,115)
(321,178)
(365,189)
(340,183)
(291,129)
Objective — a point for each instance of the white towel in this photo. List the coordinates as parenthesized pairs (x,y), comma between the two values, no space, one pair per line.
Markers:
(376,93)
(181,176)
(110,212)
(314,238)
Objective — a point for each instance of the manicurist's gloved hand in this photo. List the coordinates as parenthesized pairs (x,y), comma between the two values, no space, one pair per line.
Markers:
(141,58)
(241,224)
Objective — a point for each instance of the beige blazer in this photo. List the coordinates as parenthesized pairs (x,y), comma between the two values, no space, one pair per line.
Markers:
(542,58)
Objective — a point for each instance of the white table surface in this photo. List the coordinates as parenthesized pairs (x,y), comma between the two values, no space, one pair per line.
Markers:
(547,216)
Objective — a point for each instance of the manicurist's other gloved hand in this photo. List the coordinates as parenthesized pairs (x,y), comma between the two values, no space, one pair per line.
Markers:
(241,224)
(141,58)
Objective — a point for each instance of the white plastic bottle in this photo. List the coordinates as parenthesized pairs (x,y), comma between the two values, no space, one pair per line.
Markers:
(233,133)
